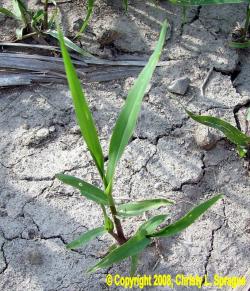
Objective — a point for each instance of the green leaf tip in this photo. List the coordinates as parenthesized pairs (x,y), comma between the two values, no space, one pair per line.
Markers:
(91,192)
(83,113)
(86,237)
(128,116)
(187,220)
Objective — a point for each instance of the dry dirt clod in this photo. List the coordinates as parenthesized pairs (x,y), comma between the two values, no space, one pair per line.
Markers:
(108,37)
(204,138)
(35,258)
(179,86)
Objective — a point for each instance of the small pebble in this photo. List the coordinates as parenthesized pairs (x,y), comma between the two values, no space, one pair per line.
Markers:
(204,138)
(42,133)
(179,86)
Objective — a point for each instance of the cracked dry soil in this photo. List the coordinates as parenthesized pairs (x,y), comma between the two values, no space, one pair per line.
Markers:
(39,138)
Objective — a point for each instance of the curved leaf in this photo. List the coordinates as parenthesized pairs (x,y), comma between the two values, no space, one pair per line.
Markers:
(130,248)
(231,132)
(139,207)
(83,114)
(86,237)
(187,220)
(86,20)
(239,45)
(21,11)
(126,121)
(89,191)
(68,43)
(206,2)
(7,12)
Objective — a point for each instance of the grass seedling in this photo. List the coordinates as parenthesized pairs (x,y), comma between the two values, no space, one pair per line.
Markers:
(37,23)
(32,23)
(112,212)
(242,33)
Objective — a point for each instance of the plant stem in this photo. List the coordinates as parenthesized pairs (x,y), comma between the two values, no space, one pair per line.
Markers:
(45,21)
(247,22)
(120,234)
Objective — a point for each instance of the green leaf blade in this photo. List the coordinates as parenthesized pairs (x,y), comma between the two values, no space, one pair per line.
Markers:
(187,220)
(239,45)
(150,225)
(7,12)
(130,248)
(86,237)
(87,18)
(139,207)
(206,2)
(232,133)
(89,191)
(83,113)
(68,43)
(127,119)
(134,264)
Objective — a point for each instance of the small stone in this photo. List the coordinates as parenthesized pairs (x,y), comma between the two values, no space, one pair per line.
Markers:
(108,37)
(204,138)
(35,258)
(179,86)
(78,24)
(75,130)
(25,126)
(42,133)
(52,129)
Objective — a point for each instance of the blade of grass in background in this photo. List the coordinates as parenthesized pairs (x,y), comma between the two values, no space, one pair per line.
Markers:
(206,2)
(187,220)
(83,113)
(239,45)
(69,43)
(126,121)
(87,18)
(232,133)
(8,13)
(125,4)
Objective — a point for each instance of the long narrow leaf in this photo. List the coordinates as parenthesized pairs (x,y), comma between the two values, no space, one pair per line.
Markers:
(89,191)
(187,220)
(86,237)
(7,12)
(83,114)
(231,132)
(86,20)
(20,11)
(69,43)
(132,247)
(139,207)
(239,45)
(126,122)
(125,4)
(206,2)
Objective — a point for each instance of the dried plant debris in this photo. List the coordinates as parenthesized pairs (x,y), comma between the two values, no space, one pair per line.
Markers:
(24,68)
